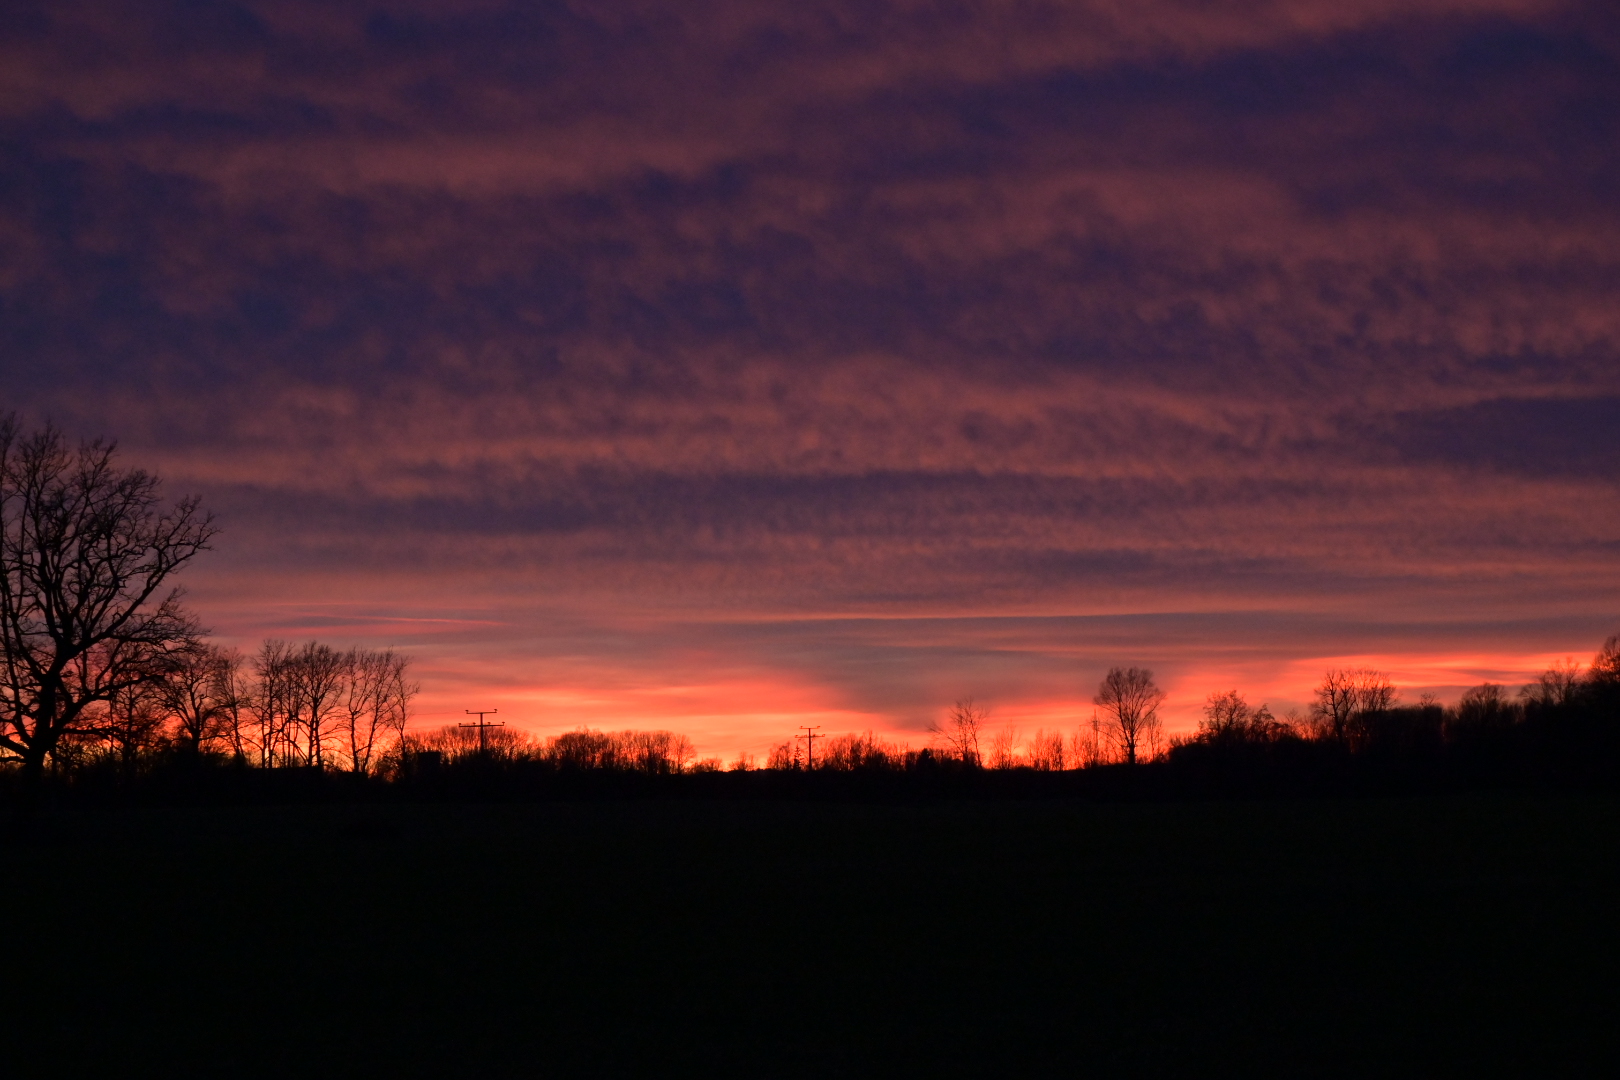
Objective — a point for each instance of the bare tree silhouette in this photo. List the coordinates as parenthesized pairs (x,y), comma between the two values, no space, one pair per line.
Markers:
(1088,747)
(318,674)
(958,734)
(198,692)
(87,612)
(375,698)
(1228,718)
(785,756)
(1004,748)
(584,749)
(1344,701)
(129,726)
(1046,751)
(1483,710)
(270,702)
(1556,687)
(1604,674)
(846,753)
(1130,701)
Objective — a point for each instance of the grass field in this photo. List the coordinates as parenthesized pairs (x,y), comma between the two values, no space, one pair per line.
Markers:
(1336,938)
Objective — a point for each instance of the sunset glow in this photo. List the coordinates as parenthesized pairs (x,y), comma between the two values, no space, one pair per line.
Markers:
(810,538)
(749,374)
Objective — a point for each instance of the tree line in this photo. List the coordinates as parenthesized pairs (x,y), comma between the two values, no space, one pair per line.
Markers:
(104,670)
(103,666)
(652,753)
(289,705)
(1355,713)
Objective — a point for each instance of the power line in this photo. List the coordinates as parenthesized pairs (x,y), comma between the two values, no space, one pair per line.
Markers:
(809,735)
(483,726)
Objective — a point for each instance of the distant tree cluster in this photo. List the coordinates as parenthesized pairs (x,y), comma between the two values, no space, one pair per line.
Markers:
(1356,713)
(1565,722)
(654,753)
(290,706)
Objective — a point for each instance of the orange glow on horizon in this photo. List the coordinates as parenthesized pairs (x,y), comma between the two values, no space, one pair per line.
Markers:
(750,714)
(722,719)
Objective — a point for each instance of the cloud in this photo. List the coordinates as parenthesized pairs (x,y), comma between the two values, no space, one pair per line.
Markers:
(1578,437)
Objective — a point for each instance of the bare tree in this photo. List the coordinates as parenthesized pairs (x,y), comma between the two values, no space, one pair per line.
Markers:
(130,725)
(656,752)
(198,692)
(1087,747)
(1346,698)
(582,749)
(1224,714)
(958,734)
(235,692)
(1228,718)
(1130,701)
(375,702)
(87,551)
(1004,748)
(1046,753)
(846,753)
(272,702)
(317,685)
(1557,686)
(1484,708)
(1605,670)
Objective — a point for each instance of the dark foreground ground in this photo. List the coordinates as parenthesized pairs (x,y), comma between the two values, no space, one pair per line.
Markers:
(1455,936)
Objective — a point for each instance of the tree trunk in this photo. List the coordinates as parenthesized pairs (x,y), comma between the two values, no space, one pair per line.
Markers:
(33,768)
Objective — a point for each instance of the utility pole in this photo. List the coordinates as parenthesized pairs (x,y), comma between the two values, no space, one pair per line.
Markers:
(810,738)
(483,727)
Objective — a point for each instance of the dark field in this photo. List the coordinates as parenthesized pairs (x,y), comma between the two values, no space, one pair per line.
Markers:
(1356,938)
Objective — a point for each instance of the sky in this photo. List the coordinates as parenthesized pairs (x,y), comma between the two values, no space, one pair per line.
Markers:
(731,366)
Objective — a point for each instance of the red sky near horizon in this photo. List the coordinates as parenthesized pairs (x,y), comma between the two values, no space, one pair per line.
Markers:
(732,366)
